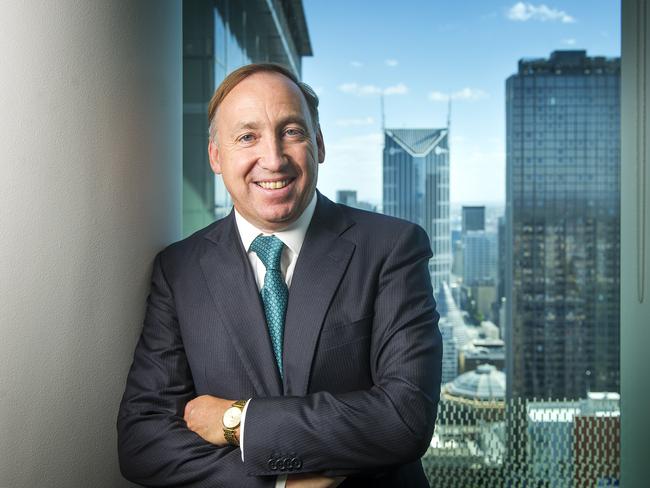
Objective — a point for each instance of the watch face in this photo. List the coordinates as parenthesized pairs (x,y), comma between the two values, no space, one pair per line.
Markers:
(232,417)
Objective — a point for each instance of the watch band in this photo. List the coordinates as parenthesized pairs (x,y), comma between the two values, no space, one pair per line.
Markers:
(230,433)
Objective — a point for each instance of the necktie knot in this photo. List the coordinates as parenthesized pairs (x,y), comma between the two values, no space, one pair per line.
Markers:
(269,250)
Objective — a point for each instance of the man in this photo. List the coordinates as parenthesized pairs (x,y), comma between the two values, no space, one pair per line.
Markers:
(294,341)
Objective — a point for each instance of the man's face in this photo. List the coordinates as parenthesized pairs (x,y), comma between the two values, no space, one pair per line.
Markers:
(267,150)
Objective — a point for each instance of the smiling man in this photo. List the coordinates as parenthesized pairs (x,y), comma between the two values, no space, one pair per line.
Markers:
(293,342)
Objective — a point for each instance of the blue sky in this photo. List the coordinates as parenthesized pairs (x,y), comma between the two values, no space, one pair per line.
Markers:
(418,52)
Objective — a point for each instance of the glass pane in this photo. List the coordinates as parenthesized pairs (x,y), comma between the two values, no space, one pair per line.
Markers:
(496,128)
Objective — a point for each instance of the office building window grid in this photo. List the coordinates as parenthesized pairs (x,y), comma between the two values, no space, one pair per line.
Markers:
(416,188)
(563,147)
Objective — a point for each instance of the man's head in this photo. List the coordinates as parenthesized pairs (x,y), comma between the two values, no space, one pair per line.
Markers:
(266,143)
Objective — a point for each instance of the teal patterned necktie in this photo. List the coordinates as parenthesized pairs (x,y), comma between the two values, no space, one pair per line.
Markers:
(274,292)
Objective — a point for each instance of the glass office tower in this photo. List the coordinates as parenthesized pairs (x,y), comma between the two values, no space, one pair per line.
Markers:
(562,276)
(416,188)
(218,37)
(473,218)
(479,257)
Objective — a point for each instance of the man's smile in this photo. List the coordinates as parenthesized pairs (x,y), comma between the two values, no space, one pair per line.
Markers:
(274,185)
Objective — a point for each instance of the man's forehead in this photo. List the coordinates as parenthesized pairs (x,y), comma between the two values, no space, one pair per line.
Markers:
(259,90)
(262,85)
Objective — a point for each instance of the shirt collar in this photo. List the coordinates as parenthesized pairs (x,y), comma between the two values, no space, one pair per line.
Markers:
(293,236)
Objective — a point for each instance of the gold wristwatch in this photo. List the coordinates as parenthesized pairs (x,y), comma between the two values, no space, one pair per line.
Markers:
(231,420)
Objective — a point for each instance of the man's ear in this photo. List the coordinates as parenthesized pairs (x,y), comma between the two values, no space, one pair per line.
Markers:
(321,145)
(213,154)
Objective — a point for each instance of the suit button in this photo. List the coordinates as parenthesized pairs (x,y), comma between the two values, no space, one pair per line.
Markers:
(272,464)
(296,463)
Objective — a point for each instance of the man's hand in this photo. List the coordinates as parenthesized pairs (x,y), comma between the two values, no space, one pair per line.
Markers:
(313,481)
(204,415)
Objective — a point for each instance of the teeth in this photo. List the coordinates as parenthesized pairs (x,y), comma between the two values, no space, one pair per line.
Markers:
(273,185)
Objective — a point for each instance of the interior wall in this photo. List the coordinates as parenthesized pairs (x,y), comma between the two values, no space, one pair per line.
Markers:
(90,189)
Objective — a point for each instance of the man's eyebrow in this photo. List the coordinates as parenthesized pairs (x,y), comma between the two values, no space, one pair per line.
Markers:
(246,125)
(289,119)
(293,119)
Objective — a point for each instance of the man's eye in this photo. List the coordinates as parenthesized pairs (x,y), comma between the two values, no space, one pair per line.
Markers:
(247,138)
(293,132)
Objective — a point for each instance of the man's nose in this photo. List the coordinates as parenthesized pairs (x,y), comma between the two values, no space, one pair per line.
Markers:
(272,157)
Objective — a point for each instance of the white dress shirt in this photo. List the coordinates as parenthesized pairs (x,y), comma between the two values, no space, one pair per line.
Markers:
(293,236)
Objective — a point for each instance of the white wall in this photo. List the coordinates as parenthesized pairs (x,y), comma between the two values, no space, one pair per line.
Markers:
(90,189)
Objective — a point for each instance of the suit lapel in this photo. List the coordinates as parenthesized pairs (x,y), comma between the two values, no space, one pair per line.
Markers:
(321,264)
(233,288)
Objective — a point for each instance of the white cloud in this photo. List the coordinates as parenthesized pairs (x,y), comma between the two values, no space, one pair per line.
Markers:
(569,42)
(437,96)
(391,62)
(355,122)
(523,12)
(399,89)
(365,90)
(356,64)
(359,90)
(469,94)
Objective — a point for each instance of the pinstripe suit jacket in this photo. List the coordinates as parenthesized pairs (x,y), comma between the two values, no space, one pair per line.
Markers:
(362,358)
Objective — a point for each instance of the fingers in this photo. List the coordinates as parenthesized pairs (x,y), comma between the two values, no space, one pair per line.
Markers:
(188,410)
(311,480)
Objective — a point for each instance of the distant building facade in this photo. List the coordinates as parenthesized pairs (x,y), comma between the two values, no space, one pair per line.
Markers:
(484,294)
(473,218)
(479,257)
(499,304)
(416,188)
(574,443)
(482,351)
(450,353)
(562,273)
(349,198)
(455,332)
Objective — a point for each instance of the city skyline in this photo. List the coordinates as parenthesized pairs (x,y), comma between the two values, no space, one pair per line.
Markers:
(418,55)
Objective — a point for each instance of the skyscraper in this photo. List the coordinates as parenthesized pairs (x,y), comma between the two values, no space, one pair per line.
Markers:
(347,197)
(473,218)
(498,308)
(562,273)
(479,257)
(416,188)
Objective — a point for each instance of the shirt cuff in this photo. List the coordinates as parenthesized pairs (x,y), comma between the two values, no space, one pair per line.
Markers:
(241,431)
(281,481)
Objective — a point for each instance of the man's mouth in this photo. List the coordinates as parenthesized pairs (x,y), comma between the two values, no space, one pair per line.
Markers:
(274,185)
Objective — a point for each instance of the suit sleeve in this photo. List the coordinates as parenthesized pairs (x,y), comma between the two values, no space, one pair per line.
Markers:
(155,447)
(391,422)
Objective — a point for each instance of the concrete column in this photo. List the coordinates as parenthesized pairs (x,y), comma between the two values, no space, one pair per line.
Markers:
(635,243)
(90,189)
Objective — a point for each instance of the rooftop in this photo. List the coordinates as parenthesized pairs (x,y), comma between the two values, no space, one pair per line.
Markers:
(419,142)
(569,62)
(483,383)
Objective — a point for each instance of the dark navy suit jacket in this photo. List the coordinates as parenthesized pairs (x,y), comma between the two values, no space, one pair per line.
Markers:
(362,359)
